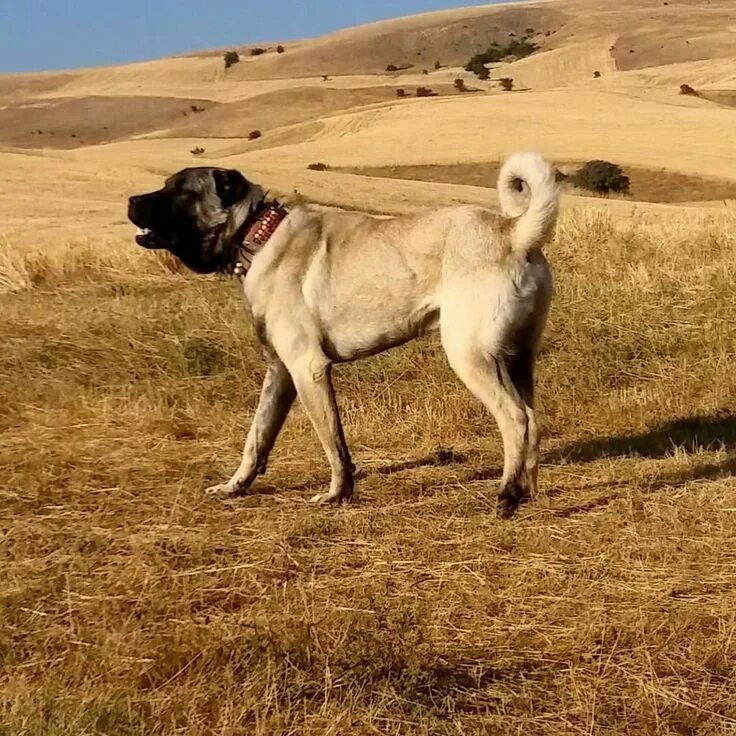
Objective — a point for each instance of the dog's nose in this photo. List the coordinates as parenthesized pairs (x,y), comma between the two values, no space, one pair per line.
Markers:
(133,207)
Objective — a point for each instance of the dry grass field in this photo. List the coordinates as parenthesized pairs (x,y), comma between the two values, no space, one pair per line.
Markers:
(131,604)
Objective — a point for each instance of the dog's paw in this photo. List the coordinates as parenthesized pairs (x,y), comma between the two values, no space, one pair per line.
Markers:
(224,491)
(322,499)
(511,496)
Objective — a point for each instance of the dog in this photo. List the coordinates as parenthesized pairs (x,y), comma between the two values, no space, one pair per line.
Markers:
(325,287)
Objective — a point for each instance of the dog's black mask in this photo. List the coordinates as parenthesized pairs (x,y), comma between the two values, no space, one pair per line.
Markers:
(196,216)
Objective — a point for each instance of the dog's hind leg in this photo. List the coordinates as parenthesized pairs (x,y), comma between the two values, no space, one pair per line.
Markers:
(487,376)
(521,372)
(277,396)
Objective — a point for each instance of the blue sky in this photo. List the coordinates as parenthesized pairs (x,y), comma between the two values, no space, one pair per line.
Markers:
(57,34)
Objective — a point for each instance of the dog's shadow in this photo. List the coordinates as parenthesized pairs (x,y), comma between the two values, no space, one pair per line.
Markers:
(690,434)
(715,431)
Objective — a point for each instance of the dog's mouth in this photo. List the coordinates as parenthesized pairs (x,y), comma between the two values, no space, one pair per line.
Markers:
(146,238)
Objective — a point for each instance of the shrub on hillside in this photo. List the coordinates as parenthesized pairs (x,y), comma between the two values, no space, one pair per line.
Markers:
(318,167)
(460,85)
(280,49)
(257,51)
(478,68)
(231,57)
(495,53)
(686,89)
(254,135)
(425,92)
(197,151)
(596,75)
(507,84)
(602,177)
(392,68)
(401,92)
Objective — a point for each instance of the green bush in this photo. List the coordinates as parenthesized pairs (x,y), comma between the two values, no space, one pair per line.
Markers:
(602,177)
(495,53)
(478,68)
(231,57)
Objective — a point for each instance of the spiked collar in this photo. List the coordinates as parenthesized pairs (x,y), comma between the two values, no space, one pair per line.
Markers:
(258,230)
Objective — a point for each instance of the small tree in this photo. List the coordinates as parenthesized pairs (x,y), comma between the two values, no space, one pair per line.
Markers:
(254,135)
(257,51)
(686,89)
(478,68)
(460,85)
(425,92)
(507,84)
(596,75)
(280,49)
(437,66)
(231,57)
(602,177)
(401,92)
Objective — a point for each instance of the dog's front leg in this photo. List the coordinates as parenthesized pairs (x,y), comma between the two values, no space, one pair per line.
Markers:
(312,374)
(277,396)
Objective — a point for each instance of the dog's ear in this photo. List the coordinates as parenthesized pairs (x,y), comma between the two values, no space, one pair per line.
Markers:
(231,186)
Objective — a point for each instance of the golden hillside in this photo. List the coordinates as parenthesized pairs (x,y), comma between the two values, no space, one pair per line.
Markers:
(330,99)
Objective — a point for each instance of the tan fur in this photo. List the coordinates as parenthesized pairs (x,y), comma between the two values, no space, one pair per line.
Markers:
(335,286)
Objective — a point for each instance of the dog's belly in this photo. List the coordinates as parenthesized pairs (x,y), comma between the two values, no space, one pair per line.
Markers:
(364,329)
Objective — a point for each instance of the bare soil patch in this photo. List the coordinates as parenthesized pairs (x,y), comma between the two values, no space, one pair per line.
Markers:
(74,122)
(647,185)
(725,97)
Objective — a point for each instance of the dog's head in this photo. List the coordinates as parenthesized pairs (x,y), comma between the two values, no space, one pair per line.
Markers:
(196,216)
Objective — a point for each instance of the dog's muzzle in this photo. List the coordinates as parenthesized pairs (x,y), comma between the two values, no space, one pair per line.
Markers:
(139,213)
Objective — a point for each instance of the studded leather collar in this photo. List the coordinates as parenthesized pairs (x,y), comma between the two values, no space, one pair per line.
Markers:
(258,233)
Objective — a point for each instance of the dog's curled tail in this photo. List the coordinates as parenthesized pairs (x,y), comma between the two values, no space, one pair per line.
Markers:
(534,206)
